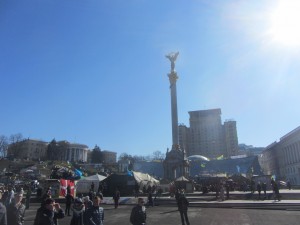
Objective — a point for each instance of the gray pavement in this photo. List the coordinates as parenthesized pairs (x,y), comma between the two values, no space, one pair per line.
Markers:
(241,209)
(165,215)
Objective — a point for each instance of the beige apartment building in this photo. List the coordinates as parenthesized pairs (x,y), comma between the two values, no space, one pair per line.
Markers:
(37,150)
(207,135)
(282,158)
(28,149)
(109,157)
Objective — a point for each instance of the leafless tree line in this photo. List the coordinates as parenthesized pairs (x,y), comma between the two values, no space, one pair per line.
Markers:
(14,140)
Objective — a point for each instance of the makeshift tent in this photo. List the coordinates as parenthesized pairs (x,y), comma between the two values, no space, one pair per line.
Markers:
(182,178)
(84,184)
(144,179)
(125,183)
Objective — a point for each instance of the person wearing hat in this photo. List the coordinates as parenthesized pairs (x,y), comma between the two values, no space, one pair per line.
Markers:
(78,212)
(3,216)
(16,210)
(138,213)
(49,213)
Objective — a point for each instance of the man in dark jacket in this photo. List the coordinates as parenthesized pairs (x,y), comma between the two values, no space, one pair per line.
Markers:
(183,207)
(138,214)
(49,213)
(16,210)
(3,218)
(116,198)
(69,200)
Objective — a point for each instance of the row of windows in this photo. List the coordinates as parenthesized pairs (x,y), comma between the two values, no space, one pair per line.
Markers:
(292,153)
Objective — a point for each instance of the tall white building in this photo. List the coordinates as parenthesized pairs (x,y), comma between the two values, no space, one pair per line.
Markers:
(74,152)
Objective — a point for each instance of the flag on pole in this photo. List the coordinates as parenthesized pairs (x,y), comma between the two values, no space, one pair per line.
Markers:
(64,185)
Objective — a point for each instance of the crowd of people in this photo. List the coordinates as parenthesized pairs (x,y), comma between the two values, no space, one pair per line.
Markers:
(84,210)
(87,210)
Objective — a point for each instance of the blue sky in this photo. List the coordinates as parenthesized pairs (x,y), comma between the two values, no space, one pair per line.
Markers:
(95,72)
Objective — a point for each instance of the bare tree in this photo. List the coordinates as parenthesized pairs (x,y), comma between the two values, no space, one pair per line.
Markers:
(158,155)
(14,138)
(3,145)
(16,145)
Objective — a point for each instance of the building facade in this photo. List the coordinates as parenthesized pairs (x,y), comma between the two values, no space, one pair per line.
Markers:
(282,158)
(231,138)
(207,135)
(109,157)
(74,152)
(28,149)
(37,150)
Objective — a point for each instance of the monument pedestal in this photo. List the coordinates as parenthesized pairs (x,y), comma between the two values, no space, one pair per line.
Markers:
(176,164)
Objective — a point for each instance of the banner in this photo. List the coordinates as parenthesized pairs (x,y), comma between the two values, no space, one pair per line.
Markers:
(64,185)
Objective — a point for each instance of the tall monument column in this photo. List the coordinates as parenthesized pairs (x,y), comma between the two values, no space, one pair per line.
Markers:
(176,163)
(173,79)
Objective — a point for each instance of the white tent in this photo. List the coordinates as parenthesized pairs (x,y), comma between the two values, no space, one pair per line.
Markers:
(145,179)
(84,184)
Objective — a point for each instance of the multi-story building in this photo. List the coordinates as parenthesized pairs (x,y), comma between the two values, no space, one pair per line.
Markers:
(184,137)
(231,138)
(28,149)
(269,160)
(282,158)
(207,135)
(37,150)
(109,157)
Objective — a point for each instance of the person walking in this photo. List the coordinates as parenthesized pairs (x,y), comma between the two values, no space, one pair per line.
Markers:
(264,188)
(258,188)
(3,215)
(275,190)
(222,192)
(100,188)
(227,187)
(49,213)
(150,199)
(183,204)
(136,190)
(116,198)
(78,210)
(138,213)
(28,196)
(95,214)
(69,200)
(92,186)
(9,195)
(16,210)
